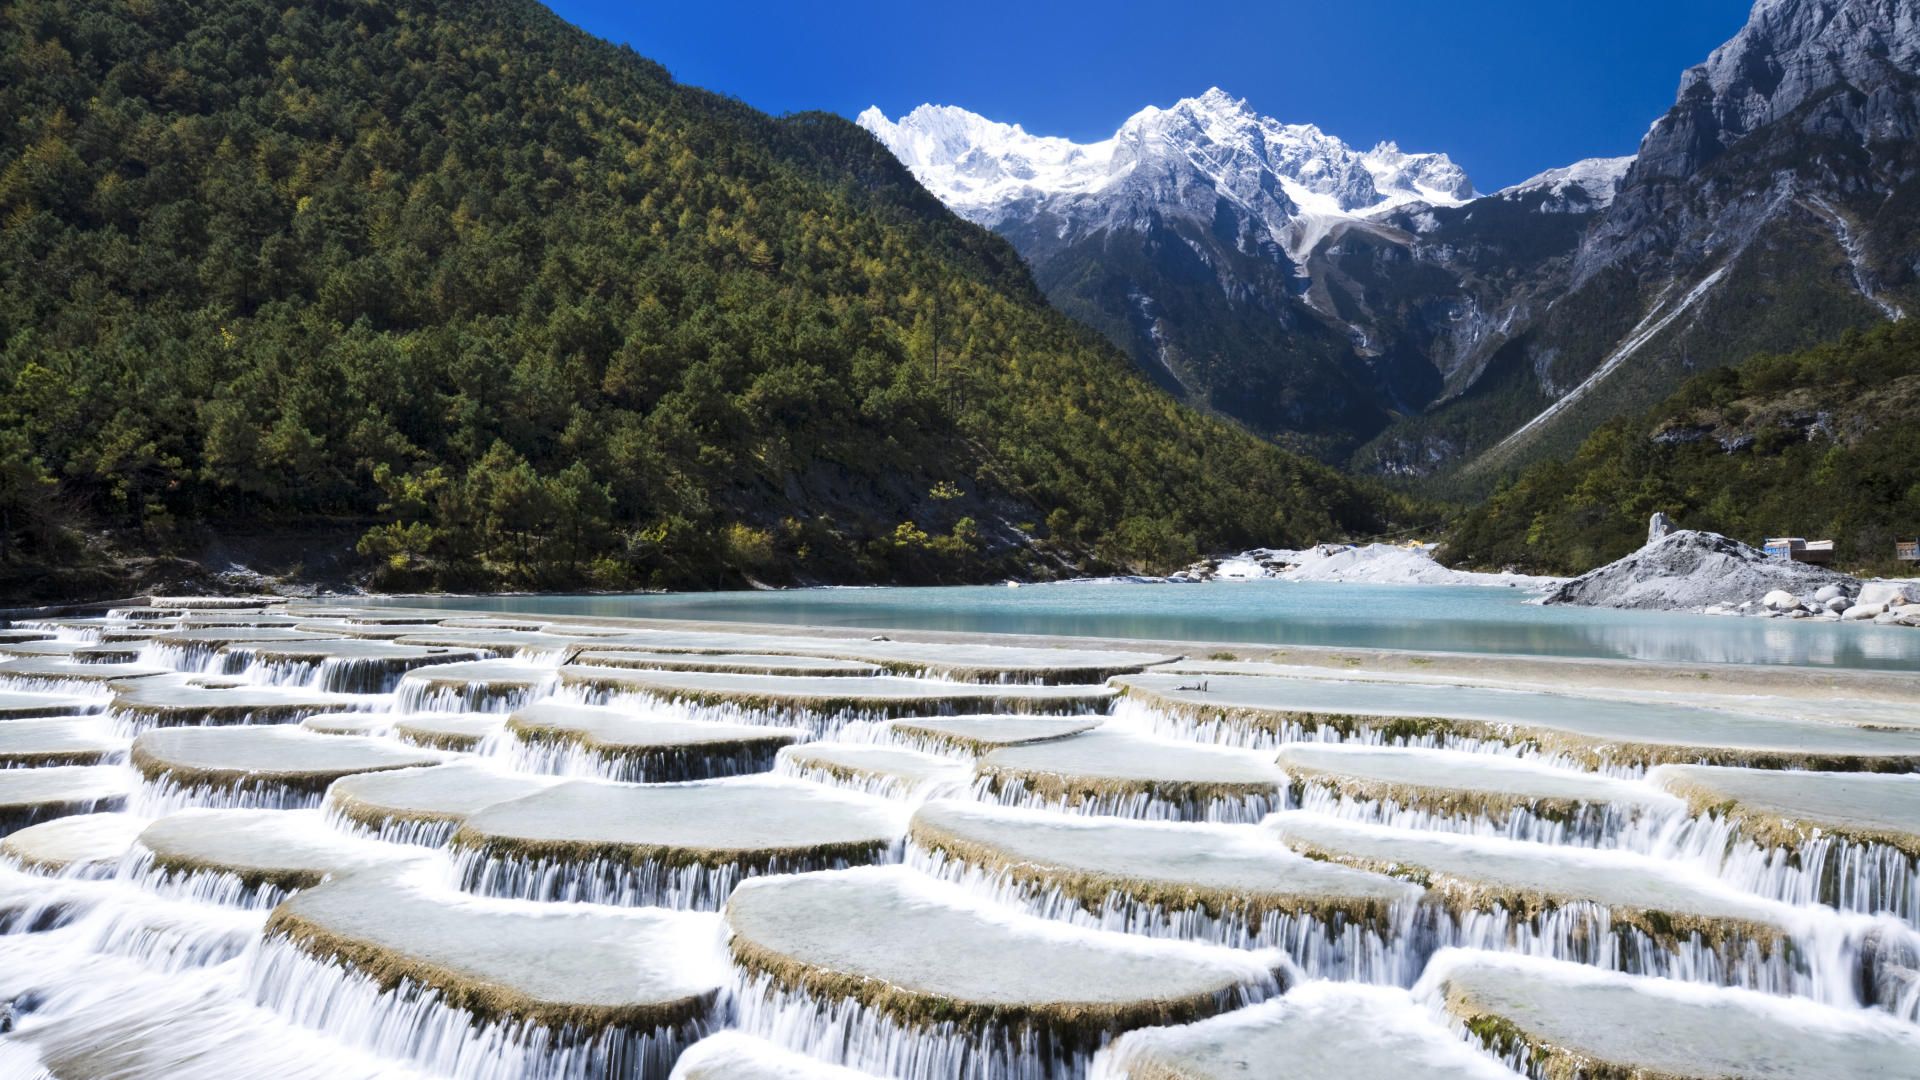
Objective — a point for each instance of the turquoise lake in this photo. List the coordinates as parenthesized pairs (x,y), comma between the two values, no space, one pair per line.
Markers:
(1429,618)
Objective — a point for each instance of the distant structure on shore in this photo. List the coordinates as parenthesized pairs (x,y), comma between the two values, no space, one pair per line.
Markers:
(1798,549)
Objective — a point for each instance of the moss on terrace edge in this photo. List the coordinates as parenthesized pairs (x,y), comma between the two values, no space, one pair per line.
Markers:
(1462,896)
(914,730)
(378,817)
(1093,891)
(975,697)
(1544,1059)
(157,769)
(531,732)
(1590,751)
(1067,787)
(1496,806)
(1771,829)
(250,878)
(671,856)
(1083,1026)
(487,1002)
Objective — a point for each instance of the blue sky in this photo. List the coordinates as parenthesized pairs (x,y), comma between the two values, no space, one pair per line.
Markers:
(1508,87)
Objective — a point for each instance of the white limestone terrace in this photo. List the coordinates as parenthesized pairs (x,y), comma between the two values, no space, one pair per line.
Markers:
(959,661)
(299,661)
(1789,808)
(266,759)
(1316,1031)
(749,821)
(627,744)
(917,954)
(744,663)
(50,677)
(426,804)
(370,724)
(640,969)
(1473,872)
(825,702)
(1462,785)
(526,644)
(40,648)
(187,604)
(28,796)
(446,731)
(887,771)
(970,736)
(1600,732)
(735,1055)
(253,857)
(890,972)
(56,740)
(472,686)
(83,845)
(1115,771)
(1557,1019)
(15,705)
(1169,865)
(169,701)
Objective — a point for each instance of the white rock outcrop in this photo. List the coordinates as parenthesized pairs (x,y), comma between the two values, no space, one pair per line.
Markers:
(1690,570)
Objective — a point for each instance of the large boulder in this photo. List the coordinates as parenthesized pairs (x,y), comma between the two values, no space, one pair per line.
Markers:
(1659,526)
(1691,570)
(1890,593)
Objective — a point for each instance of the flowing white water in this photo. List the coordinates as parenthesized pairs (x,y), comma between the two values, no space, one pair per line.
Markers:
(412,1023)
(144,968)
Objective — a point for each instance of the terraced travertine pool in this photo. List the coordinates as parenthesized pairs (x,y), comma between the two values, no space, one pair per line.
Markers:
(296,840)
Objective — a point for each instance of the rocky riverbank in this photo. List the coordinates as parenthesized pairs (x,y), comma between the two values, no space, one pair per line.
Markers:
(1373,564)
(1689,570)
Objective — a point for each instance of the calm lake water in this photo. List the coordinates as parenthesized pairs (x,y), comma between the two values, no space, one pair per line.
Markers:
(1432,618)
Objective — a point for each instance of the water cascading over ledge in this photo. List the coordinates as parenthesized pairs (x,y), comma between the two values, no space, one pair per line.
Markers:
(1122,833)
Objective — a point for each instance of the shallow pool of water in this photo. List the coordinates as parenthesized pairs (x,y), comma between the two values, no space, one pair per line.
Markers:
(1429,618)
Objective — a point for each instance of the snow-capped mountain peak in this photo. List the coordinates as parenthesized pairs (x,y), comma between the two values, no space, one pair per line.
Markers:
(1292,180)
(974,164)
(1596,178)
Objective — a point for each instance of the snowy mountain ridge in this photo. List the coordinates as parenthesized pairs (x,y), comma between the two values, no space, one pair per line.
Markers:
(1598,177)
(1282,175)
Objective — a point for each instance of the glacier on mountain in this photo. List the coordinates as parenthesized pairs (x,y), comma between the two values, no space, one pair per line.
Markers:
(1293,179)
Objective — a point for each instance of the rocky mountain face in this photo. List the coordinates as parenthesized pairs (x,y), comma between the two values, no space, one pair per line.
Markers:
(1774,206)
(1369,306)
(1188,236)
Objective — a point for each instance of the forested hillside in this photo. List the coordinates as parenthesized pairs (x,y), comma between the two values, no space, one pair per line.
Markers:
(1821,444)
(509,303)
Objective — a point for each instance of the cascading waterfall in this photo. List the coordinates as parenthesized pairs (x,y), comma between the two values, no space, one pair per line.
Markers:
(417,696)
(878,785)
(175,957)
(410,1022)
(1364,731)
(395,828)
(141,868)
(851,1033)
(1594,825)
(1139,805)
(1826,869)
(1336,946)
(563,757)
(158,798)
(689,886)
(194,657)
